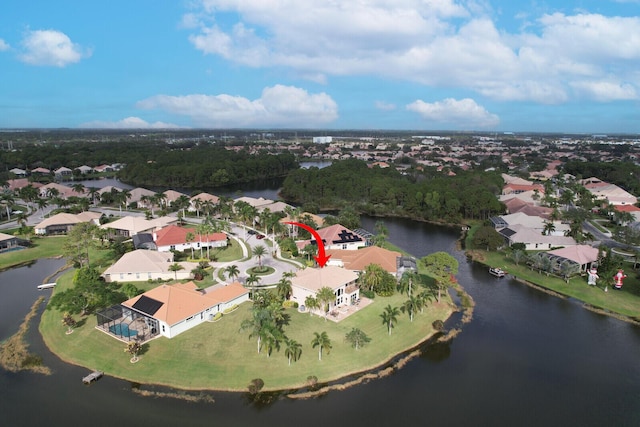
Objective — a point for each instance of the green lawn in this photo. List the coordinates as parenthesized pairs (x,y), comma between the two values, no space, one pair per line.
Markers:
(43,247)
(219,356)
(625,302)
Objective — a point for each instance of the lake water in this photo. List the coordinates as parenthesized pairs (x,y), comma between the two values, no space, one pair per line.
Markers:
(526,359)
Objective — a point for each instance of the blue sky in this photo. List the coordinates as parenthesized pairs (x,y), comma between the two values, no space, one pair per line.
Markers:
(486,65)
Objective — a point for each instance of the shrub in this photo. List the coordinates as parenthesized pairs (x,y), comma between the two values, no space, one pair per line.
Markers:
(290,304)
(438,325)
(367,293)
(217,316)
(256,385)
(230,309)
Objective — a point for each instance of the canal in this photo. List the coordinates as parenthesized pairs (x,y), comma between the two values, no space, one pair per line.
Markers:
(526,359)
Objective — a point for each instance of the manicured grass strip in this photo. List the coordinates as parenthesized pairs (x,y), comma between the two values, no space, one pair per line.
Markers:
(625,302)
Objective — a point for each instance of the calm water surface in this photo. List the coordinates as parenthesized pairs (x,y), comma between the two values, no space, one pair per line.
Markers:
(527,359)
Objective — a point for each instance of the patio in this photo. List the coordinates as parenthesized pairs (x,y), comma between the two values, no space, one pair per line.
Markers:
(126,325)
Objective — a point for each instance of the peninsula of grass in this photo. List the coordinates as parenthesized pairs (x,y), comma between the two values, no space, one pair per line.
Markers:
(219,356)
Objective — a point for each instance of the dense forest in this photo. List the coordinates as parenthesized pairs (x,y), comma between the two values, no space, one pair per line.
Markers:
(206,166)
(386,191)
(623,174)
(153,162)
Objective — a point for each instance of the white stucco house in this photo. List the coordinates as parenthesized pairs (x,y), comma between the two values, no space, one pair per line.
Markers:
(309,281)
(168,310)
(143,265)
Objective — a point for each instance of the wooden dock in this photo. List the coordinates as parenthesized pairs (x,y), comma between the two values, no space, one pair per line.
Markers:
(94,376)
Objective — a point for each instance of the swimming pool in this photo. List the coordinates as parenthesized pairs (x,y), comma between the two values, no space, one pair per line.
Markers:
(122,330)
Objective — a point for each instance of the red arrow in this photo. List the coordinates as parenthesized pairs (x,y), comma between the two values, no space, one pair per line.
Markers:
(321,258)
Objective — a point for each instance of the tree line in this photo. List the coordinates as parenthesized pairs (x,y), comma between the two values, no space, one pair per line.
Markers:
(419,194)
(155,163)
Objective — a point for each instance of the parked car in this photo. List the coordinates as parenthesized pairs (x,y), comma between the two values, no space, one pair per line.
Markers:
(260,236)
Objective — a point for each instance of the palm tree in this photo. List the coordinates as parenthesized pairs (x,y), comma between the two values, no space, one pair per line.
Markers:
(232,271)
(321,340)
(259,252)
(190,237)
(69,322)
(293,350)
(390,316)
(93,193)
(7,200)
(325,297)
(272,336)
(252,281)
(357,338)
(408,279)
(175,267)
(283,288)
(549,227)
(42,203)
(78,188)
(311,303)
(411,305)
(381,233)
(372,277)
(133,348)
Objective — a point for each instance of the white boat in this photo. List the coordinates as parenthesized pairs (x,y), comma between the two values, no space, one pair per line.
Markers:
(46,285)
(498,272)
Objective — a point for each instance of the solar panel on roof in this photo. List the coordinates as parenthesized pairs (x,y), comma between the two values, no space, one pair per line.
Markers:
(147,305)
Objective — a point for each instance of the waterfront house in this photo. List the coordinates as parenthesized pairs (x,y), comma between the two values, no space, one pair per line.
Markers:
(342,282)
(7,242)
(169,310)
(63,222)
(142,265)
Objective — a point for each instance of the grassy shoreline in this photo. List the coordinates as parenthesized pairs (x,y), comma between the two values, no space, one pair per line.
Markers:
(624,305)
(14,352)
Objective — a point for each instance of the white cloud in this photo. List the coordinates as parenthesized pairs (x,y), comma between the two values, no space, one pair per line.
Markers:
(606,91)
(127,123)
(278,106)
(438,43)
(463,114)
(4,45)
(51,47)
(385,106)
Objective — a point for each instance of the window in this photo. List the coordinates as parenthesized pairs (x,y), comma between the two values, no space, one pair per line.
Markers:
(344,246)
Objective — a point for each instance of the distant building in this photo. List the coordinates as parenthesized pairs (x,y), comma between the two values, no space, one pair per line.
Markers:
(322,139)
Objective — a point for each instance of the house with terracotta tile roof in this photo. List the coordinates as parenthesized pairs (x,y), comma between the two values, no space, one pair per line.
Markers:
(173,237)
(357,261)
(337,237)
(309,281)
(172,196)
(62,191)
(40,171)
(143,265)
(63,222)
(632,209)
(169,310)
(197,201)
(613,194)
